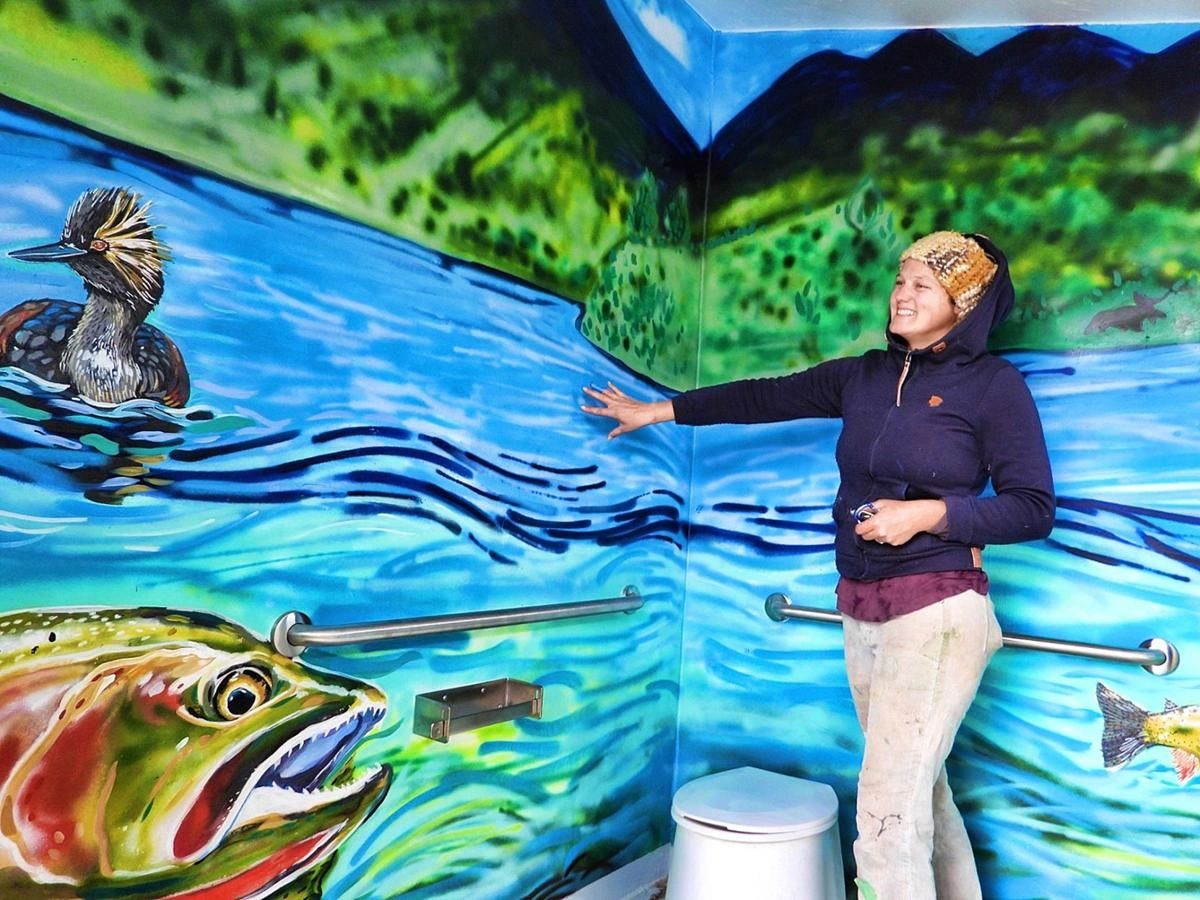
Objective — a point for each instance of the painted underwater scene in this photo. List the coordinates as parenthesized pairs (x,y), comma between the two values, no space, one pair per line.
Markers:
(374,432)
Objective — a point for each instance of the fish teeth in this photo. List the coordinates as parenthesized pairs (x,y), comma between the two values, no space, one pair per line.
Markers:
(263,800)
(277,801)
(369,716)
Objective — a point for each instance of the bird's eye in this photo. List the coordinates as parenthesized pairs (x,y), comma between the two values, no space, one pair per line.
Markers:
(99,245)
(239,691)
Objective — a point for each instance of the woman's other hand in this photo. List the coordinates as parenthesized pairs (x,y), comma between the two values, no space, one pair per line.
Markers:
(895,522)
(630,414)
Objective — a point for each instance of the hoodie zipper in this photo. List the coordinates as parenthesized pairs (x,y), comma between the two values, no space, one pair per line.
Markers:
(887,417)
(862,555)
(903,375)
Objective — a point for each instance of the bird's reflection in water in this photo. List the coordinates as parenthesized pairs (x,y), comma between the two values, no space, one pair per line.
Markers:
(107,454)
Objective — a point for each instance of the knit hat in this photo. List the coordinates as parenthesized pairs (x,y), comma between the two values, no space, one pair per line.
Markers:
(959,264)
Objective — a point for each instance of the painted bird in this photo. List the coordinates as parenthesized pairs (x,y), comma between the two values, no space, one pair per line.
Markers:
(103,349)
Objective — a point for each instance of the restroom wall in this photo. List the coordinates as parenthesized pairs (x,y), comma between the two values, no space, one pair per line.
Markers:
(391,228)
(401,245)
(1075,150)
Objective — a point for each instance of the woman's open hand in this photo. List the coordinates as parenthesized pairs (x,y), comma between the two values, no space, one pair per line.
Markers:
(630,414)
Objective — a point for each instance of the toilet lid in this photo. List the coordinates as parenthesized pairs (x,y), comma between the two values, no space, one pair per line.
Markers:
(756,801)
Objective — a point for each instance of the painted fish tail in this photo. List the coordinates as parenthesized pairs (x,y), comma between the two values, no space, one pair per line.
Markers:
(1124,727)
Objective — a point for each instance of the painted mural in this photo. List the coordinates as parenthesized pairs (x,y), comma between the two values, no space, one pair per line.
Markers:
(551,157)
(149,752)
(102,350)
(1076,147)
(1076,153)
(342,454)
(398,248)
(317,399)
(1129,729)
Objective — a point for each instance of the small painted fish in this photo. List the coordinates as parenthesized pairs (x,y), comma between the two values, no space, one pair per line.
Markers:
(157,753)
(1129,729)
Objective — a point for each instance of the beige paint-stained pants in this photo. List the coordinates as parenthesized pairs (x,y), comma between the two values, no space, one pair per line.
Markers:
(912,679)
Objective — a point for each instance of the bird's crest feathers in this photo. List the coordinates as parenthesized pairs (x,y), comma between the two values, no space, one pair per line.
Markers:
(114,222)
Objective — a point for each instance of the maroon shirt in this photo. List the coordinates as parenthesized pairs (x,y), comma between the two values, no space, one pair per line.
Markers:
(887,598)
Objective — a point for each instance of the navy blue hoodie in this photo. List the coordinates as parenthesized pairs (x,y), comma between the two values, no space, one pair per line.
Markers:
(960,417)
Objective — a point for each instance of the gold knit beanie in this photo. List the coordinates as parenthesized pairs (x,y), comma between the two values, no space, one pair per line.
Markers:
(960,265)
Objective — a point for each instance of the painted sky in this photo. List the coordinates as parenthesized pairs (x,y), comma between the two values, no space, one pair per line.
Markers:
(675,47)
(696,69)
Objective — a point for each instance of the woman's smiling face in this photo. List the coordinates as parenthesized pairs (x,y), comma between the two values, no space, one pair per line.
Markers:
(921,310)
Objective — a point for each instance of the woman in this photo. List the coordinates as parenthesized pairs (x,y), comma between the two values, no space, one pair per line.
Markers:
(926,423)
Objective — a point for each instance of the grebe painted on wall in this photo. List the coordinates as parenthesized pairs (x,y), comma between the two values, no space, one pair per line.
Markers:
(102,348)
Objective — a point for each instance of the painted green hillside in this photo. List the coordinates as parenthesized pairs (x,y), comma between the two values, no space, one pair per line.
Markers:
(1100,220)
(470,126)
(486,129)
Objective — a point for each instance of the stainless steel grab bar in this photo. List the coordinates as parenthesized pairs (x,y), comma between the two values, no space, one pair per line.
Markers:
(1156,655)
(293,631)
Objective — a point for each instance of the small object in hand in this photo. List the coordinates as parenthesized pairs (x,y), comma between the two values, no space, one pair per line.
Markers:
(864,512)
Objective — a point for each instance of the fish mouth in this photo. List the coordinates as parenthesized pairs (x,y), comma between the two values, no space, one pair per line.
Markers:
(296,780)
(304,778)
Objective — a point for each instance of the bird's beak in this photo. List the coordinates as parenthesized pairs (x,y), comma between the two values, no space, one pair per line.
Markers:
(60,252)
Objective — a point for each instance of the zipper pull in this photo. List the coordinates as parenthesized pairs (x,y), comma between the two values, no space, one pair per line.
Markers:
(903,375)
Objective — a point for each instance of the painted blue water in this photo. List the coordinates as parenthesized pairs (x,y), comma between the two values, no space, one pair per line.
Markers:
(375,431)
(378,431)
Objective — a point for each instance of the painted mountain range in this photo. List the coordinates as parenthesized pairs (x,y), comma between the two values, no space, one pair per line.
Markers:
(821,108)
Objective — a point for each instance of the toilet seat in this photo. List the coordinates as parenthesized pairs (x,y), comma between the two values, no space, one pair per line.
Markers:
(752,804)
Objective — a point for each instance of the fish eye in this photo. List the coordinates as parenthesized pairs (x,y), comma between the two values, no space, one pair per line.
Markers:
(238,691)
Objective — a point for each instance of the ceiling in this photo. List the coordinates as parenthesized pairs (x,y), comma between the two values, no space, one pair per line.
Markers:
(791,15)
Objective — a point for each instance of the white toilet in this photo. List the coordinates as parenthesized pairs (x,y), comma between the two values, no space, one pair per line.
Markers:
(749,833)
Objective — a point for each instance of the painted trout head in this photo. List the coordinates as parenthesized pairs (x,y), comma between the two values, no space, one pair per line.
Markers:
(162,753)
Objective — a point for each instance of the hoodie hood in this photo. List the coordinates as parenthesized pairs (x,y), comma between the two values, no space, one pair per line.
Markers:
(969,337)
